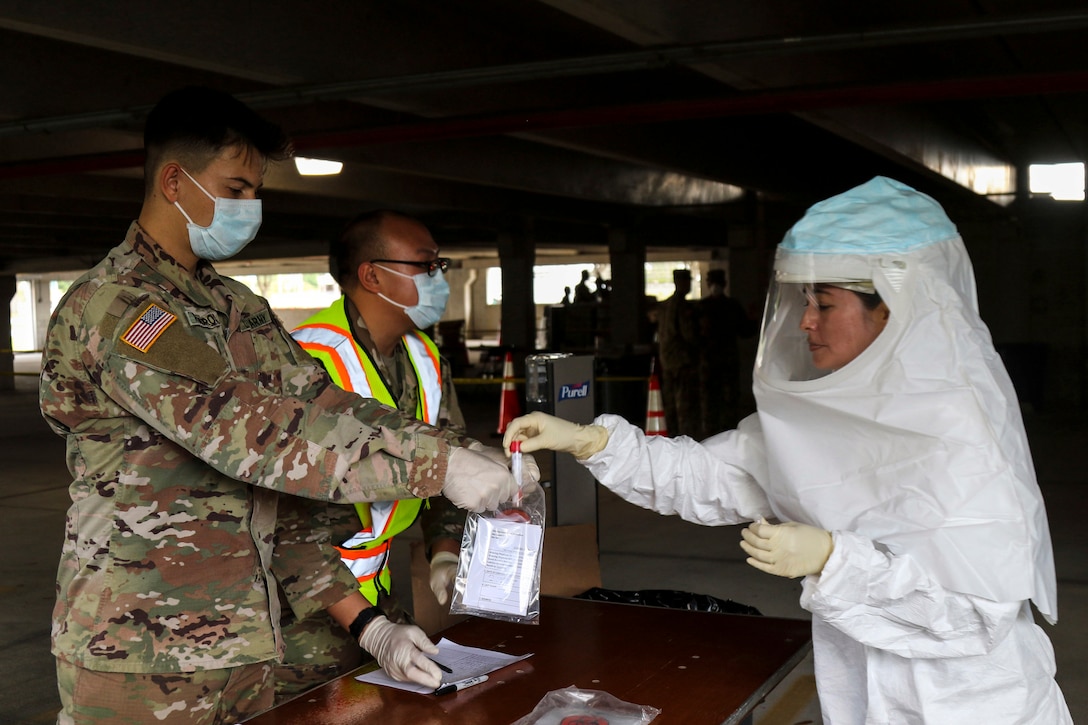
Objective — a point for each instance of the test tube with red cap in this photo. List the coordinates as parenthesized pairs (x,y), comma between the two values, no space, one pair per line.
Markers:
(515,468)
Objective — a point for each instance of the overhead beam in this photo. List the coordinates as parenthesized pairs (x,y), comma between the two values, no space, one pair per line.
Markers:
(754,103)
(942,151)
(604,13)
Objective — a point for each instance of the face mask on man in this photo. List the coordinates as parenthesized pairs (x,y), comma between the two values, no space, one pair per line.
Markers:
(433,292)
(234,225)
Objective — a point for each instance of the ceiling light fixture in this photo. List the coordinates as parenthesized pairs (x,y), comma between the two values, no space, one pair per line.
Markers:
(317,167)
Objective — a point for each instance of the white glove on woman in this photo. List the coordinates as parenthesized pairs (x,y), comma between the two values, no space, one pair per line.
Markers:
(401,650)
(443,570)
(790,549)
(540,431)
(477,483)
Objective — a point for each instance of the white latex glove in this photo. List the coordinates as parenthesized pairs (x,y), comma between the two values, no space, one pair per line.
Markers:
(790,549)
(491,453)
(477,483)
(443,570)
(401,650)
(540,431)
(529,468)
(530,472)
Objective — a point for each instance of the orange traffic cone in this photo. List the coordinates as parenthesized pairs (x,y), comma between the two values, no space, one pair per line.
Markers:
(655,409)
(509,407)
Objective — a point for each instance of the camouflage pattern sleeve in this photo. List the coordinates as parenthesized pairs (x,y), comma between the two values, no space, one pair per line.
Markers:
(333,446)
(305,561)
(440,519)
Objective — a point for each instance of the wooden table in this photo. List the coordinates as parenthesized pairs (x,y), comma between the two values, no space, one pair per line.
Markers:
(696,667)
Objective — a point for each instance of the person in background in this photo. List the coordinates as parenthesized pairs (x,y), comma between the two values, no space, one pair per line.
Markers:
(889,444)
(722,321)
(582,293)
(371,341)
(189,415)
(678,351)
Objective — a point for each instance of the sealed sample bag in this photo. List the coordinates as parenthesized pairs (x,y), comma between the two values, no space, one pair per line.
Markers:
(572,706)
(498,571)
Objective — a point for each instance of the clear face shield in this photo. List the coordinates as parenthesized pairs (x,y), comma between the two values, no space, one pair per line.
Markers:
(815,324)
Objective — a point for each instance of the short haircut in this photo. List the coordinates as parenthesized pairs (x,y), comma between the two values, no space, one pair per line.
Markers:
(195,124)
(868,301)
(360,241)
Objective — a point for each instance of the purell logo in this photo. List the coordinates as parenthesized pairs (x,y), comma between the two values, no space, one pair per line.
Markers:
(570,392)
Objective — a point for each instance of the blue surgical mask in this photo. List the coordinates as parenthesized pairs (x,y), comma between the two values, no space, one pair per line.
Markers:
(433,292)
(234,225)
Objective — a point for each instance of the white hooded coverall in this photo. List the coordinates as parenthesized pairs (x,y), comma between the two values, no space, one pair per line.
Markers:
(913,455)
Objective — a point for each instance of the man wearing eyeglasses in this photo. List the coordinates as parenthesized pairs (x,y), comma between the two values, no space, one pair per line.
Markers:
(371,342)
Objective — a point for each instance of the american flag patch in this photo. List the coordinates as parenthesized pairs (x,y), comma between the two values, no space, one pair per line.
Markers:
(144,331)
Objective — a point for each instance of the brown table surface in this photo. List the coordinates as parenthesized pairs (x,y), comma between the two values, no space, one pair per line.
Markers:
(696,667)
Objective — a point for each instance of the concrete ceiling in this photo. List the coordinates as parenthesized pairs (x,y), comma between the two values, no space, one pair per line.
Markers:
(680,121)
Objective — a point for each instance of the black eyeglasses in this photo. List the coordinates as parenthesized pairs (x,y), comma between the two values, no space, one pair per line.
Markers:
(441,264)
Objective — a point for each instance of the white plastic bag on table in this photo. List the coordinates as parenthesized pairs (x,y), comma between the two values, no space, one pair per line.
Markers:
(498,571)
(586,707)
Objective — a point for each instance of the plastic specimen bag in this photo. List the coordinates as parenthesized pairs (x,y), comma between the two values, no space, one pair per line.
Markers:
(498,571)
(572,706)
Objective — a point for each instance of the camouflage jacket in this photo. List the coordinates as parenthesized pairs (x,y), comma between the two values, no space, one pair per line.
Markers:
(187,410)
(677,335)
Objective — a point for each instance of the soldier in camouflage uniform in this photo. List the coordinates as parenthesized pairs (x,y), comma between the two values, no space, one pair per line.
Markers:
(188,411)
(678,350)
(369,344)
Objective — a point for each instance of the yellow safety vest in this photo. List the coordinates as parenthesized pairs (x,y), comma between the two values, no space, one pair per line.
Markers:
(327,337)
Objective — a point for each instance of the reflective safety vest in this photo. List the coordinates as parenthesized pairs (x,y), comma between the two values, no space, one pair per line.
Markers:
(327,337)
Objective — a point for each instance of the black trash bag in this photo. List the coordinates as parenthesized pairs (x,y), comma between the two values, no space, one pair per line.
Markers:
(669,599)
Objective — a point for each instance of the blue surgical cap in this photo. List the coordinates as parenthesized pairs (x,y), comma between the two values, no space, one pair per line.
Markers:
(879,217)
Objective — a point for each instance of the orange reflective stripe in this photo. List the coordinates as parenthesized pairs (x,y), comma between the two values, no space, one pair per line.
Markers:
(365,564)
(432,352)
(326,335)
(323,326)
(354,554)
(427,365)
(329,353)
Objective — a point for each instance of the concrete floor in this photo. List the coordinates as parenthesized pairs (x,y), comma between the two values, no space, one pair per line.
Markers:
(639,549)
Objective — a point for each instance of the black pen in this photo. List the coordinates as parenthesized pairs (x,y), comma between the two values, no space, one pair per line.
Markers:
(441,666)
(460,685)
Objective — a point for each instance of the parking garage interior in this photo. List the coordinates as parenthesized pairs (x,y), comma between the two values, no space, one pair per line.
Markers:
(538,139)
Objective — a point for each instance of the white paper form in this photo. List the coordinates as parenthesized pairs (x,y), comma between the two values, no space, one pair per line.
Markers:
(503,566)
(465,662)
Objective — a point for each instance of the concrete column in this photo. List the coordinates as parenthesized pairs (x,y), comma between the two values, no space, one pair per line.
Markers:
(7,359)
(1083,236)
(517,254)
(42,311)
(628,325)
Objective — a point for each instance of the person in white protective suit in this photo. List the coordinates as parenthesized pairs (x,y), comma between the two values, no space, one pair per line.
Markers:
(889,442)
